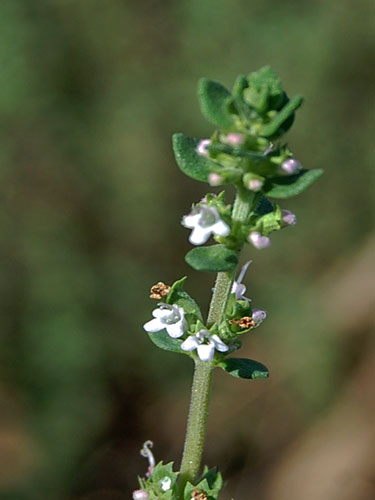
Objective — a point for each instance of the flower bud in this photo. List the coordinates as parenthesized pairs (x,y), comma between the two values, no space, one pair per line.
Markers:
(215,179)
(258,240)
(258,315)
(202,147)
(140,495)
(234,139)
(291,166)
(255,185)
(253,182)
(289,218)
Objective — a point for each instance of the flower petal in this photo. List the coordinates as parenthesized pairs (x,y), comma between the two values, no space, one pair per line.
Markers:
(180,310)
(219,344)
(190,220)
(243,271)
(220,228)
(199,235)
(176,330)
(153,326)
(190,343)
(206,352)
(161,312)
(239,289)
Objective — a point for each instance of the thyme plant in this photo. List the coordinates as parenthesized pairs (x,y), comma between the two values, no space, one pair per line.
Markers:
(245,151)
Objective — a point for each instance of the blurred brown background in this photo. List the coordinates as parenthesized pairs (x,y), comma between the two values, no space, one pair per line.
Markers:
(90,93)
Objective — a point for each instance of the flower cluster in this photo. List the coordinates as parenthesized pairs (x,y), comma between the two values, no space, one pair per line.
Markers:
(178,324)
(246,152)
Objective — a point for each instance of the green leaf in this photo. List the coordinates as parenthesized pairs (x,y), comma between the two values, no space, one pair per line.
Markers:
(214,100)
(244,368)
(189,161)
(155,484)
(210,489)
(177,295)
(215,258)
(278,124)
(265,91)
(239,86)
(164,341)
(214,480)
(287,186)
(266,77)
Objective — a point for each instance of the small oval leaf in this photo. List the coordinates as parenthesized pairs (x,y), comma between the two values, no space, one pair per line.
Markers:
(285,187)
(215,258)
(177,295)
(188,160)
(164,341)
(214,101)
(244,368)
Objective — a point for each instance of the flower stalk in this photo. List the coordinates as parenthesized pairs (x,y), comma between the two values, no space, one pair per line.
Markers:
(245,151)
(200,392)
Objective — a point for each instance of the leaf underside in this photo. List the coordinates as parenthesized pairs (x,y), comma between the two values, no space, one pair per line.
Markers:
(292,185)
(244,368)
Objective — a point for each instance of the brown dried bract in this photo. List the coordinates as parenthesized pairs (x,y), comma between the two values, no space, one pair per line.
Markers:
(159,291)
(245,322)
(198,495)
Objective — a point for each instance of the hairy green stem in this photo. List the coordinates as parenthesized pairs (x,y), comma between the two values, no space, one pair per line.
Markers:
(200,394)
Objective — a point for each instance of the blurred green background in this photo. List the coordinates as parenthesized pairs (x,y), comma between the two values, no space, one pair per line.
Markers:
(90,94)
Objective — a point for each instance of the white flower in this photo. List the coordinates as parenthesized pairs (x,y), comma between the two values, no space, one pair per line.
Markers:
(258,315)
(239,288)
(165,483)
(289,218)
(258,240)
(205,344)
(291,166)
(202,147)
(170,317)
(204,221)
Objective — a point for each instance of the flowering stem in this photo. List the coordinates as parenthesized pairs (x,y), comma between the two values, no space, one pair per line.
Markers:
(198,411)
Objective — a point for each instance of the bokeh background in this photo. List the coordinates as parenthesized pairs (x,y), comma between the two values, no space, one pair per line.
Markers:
(91,201)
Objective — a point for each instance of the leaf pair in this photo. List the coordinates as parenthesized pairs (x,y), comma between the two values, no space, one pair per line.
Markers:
(199,167)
